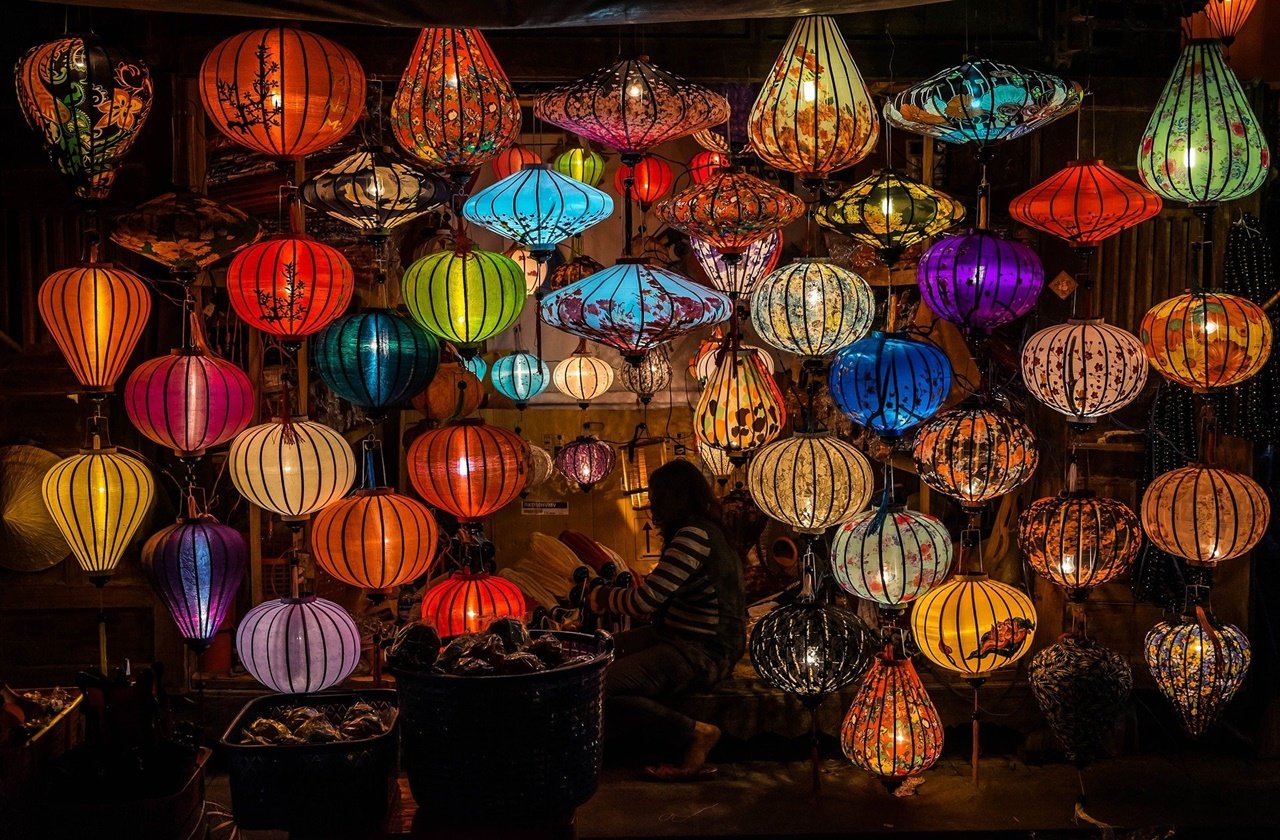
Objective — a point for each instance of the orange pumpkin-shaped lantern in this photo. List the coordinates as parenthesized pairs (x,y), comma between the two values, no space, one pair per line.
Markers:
(1206,340)
(468,602)
(650,179)
(375,539)
(454,392)
(512,160)
(975,455)
(1078,541)
(1205,514)
(468,469)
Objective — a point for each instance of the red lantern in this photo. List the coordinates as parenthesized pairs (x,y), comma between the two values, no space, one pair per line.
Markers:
(468,602)
(651,180)
(705,164)
(468,469)
(289,286)
(189,401)
(512,160)
(1084,203)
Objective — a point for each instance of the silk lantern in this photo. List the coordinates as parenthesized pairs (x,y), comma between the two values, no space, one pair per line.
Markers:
(1206,340)
(1077,540)
(1082,688)
(1205,514)
(541,467)
(652,375)
(538,208)
(975,455)
(375,359)
(703,165)
(1199,666)
(715,462)
(972,625)
(979,281)
(468,602)
(892,728)
(729,211)
(582,165)
(582,377)
(292,468)
(372,192)
(196,566)
(464,296)
(529,265)
(738,279)
(510,160)
(810,481)
(375,538)
(520,377)
(586,462)
(741,407)
(709,359)
(809,649)
(1227,17)
(890,212)
(1085,203)
(298,645)
(812,308)
(290,286)
(650,178)
(890,557)
(454,392)
(184,231)
(189,401)
(477,366)
(468,469)
(890,382)
(1084,369)
(576,268)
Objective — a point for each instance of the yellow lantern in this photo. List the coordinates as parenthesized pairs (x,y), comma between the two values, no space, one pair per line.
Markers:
(639,459)
(1206,340)
(465,295)
(1205,514)
(582,377)
(810,481)
(973,625)
(741,407)
(581,165)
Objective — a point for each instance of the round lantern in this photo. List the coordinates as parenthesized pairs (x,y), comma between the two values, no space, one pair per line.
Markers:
(541,467)
(291,467)
(890,212)
(582,165)
(892,728)
(975,455)
(1078,541)
(87,102)
(979,281)
(652,375)
(582,377)
(31,540)
(703,165)
(890,557)
(375,359)
(812,308)
(298,645)
(810,650)
(1205,514)
(95,312)
(282,92)
(529,265)
(1199,666)
(738,279)
(730,210)
(374,193)
(520,377)
(650,178)
(375,539)
(185,231)
(889,382)
(577,268)
(1084,203)
(1082,688)
(814,113)
(538,208)
(512,159)
(464,296)
(468,602)
(289,286)
(1084,369)
(810,481)
(189,401)
(973,625)
(741,407)
(468,469)
(1206,340)
(454,108)
(1227,17)
(454,392)
(586,462)
(196,567)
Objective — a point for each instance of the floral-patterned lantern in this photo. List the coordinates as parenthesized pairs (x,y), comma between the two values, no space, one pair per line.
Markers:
(1206,340)
(739,278)
(184,231)
(374,193)
(1205,514)
(741,407)
(812,308)
(890,212)
(890,557)
(533,269)
(890,382)
(290,286)
(703,165)
(892,728)
(512,159)
(716,462)
(538,208)
(468,602)
(196,567)
(582,165)
(650,179)
(652,375)
(975,455)
(810,481)
(1084,369)
(1199,665)
(1082,688)
(298,645)
(520,377)
(468,469)
(730,210)
(1084,203)
(465,295)
(1077,540)
(189,401)
(582,376)
(375,359)
(586,462)
(375,538)
(293,467)
(979,281)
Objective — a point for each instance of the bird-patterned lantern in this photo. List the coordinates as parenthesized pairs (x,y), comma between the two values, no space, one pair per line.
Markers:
(892,728)
(298,645)
(375,359)
(979,281)
(196,567)
(582,376)
(1205,514)
(586,462)
(1206,340)
(975,455)
(189,401)
(741,407)
(290,286)
(468,469)
(1077,540)
(890,212)
(890,557)
(1082,688)
(464,296)
(972,625)
(468,602)
(1199,665)
(730,210)
(810,481)
(812,308)
(1085,203)
(1084,369)
(293,467)
(890,382)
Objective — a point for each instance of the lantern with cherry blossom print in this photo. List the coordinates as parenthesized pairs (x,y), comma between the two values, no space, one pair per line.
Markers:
(890,557)
(1084,369)
(738,279)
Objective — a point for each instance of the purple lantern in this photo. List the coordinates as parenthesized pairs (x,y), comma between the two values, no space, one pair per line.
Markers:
(196,567)
(979,281)
(298,645)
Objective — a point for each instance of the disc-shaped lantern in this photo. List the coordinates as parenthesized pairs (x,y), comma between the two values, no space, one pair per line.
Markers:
(454,392)
(730,210)
(375,539)
(289,286)
(810,481)
(468,602)
(1203,144)
(374,193)
(890,557)
(1084,203)
(1199,665)
(809,649)
(972,625)
(185,231)
(1078,541)
(582,377)
(1084,369)
(30,541)
(1227,17)
(892,728)
(189,401)
(889,382)
(586,462)
(975,455)
(464,296)
(282,92)
(512,159)
(652,375)
(454,108)
(812,308)
(538,208)
(520,377)
(1206,340)
(87,101)
(979,281)
(196,567)
(739,278)
(813,115)
(1205,514)
(582,165)
(703,165)
(468,469)
(1082,688)
(890,212)
(650,179)
(291,467)
(298,645)
(741,407)
(375,359)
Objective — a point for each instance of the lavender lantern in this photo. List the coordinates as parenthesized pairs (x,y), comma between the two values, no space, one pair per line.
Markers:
(196,566)
(979,281)
(298,645)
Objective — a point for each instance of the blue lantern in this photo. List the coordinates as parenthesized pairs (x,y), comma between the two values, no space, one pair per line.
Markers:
(889,382)
(375,359)
(538,208)
(477,365)
(520,377)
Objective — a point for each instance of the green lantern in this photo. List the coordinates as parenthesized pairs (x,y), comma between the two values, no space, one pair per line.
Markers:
(581,165)
(464,296)
(1203,144)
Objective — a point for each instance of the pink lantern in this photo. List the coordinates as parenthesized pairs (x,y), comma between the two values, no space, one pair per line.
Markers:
(189,401)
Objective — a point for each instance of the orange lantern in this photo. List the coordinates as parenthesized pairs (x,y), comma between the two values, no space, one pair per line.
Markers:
(290,286)
(1084,203)
(1205,514)
(650,180)
(468,602)
(1077,540)
(282,92)
(1227,17)
(1206,340)
(892,729)
(975,455)
(705,164)
(512,160)
(730,210)
(454,392)
(468,469)
(375,539)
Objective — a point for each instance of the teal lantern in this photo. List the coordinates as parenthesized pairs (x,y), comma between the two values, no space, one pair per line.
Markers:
(477,365)
(538,208)
(520,377)
(375,359)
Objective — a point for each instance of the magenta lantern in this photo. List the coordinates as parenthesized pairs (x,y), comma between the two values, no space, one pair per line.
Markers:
(196,567)
(189,401)
(979,281)
(298,645)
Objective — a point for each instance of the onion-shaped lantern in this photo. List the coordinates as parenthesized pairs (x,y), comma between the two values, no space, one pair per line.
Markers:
(586,462)
(454,392)
(291,467)
(812,308)
(1227,17)
(1078,541)
(975,455)
(468,469)
(810,481)
(375,539)
(1206,340)
(889,382)
(814,113)
(464,296)
(810,650)
(979,281)
(87,102)
(730,210)
(541,467)
(890,557)
(890,212)
(570,272)
(704,165)
(454,108)
(520,377)
(374,193)
(512,159)
(298,645)
(1203,144)
(582,165)
(1084,203)
(738,279)
(290,286)
(282,92)
(185,231)
(582,377)
(650,178)
(538,208)
(1084,369)
(1205,514)
(972,625)
(189,401)
(375,359)
(1199,665)
(652,375)
(741,407)
(196,567)
(633,307)
(892,728)
(1082,688)
(468,602)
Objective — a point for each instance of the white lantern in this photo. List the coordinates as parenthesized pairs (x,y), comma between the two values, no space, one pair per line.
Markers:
(582,377)
(810,481)
(1084,369)
(291,467)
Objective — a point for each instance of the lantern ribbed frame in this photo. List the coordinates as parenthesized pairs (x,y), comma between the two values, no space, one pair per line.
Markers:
(704,165)
(185,231)
(1203,144)
(464,296)
(298,645)
(890,382)
(812,308)
(1227,17)
(189,401)
(196,566)
(891,557)
(1077,540)
(468,469)
(730,210)
(810,481)
(890,212)
(709,359)
(375,539)
(582,165)
(1084,369)
(979,281)
(1205,514)
(651,179)
(96,313)
(282,92)
(972,625)
(892,728)
(290,286)
(541,467)
(512,159)
(741,407)
(375,359)
(538,208)
(739,279)
(292,468)
(715,461)
(374,193)
(520,377)
(975,455)
(454,392)
(454,108)
(468,602)
(1082,688)
(1198,671)
(1206,340)
(652,375)
(582,377)
(814,113)
(1084,203)
(586,462)
(631,106)
(810,650)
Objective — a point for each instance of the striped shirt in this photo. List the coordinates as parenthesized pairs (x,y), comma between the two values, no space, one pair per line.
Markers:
(678,594)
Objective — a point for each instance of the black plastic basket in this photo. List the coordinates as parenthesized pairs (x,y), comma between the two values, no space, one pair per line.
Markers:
(506,748)
(299,787)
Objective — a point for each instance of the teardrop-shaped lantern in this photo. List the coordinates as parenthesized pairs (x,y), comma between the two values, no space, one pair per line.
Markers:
(374,193)
(1205,514)
(709,358)
(739,278)
(1082,688)
(293,468)
(464,296)
(185,231)
(812,308)
(196,567)
(1199,666)
(979,281)
(189,401)
(468,469)
(716,462)
(973,625)
(586,462)
(512,159)
(651,376)
(890,382)
(1078,541)
(581,165)
(892,728)
(810,481)
(582,377)
(1084,203)
(290,286)
(890,557)
(890,212)
(468,602)
(298,645)
(650,178)
(375,359)
(538,208)
(520,377)
(741,407)
(975,455)
(375,539)
(730,210)
(1206,340)
(1084,369)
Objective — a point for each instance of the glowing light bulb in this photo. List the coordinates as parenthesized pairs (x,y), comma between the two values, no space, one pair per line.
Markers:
(635,90)
(1191,158)
(275,100)
(808,90)
(463,467)
(1210,327)
(1068,564)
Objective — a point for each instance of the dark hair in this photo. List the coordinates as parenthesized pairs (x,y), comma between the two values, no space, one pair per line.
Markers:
(679,494)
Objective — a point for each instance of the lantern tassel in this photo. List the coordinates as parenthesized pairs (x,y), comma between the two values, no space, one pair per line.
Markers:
(102,635)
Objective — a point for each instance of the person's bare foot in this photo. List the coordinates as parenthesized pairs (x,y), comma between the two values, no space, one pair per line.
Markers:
(705,737)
